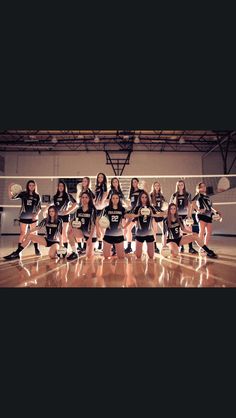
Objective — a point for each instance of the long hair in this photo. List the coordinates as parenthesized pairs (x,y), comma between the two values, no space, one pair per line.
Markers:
(90,203)
(113,190)
(154,192)
(56,213)
(104,179)
(119,206)
(91,207)
(132,187)
(81,190)
(199,186)
(65,188)
(184,192)
(27,187)
(148,199)
(169,214)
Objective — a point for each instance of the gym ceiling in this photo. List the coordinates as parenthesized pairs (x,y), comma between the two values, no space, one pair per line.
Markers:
(119,141)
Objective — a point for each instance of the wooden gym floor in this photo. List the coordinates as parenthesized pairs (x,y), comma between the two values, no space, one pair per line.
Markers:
(185,271)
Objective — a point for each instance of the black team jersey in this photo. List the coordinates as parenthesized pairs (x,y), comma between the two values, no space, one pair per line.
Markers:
(174,231)
(53,229)
(62,202)
(30,204)
(134,197)
(144,226)
(158,201)
(99,192)
(204,202)
(115,217)
(87,219)
(179,200)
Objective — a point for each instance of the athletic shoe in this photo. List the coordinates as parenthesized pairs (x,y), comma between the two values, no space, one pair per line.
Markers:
(192,251)
(13,256)
(37,252)
(212,254)
(128,250)
(157,251)
(81,252)
(73,256)
(98,250)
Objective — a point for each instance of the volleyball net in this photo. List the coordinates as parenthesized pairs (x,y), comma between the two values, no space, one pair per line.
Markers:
(220,188)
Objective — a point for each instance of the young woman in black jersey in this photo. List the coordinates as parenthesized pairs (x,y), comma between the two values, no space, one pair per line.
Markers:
(204,208)
(174,229)
(86,216)
(84,187)
(134,194)
(114,234)
(53,238)
(115,187)
(144,224)
(182,199)
(81,188)
(157,200)
(65,204)
(30,210)
(100,203)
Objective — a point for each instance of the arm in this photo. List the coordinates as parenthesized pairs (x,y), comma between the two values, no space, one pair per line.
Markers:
(70,209)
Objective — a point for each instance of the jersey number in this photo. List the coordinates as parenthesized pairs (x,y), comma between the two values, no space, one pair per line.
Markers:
(176,230)
(50,231)
(114,218)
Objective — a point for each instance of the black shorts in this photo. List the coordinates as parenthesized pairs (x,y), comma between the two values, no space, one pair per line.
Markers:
(113,240)
(27,221)
(93,239)
(51,243)
(65,218)
(158,220)
(147,238)
(204,218)
(176,240)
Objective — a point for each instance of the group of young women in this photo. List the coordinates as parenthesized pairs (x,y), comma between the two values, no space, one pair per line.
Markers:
(78,221)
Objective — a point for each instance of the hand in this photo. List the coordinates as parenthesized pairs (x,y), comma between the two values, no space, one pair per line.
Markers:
(35,218)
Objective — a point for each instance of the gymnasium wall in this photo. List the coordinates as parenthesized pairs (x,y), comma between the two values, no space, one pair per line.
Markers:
(90,163)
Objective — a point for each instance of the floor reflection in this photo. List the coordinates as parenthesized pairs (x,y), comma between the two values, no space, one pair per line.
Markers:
(184,272)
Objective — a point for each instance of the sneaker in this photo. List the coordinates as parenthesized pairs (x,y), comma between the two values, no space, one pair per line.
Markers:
(73,256)
(13,256)
(192,251)
(37,252)
(128,250)
(212,254)
(82,252)
(157,251)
